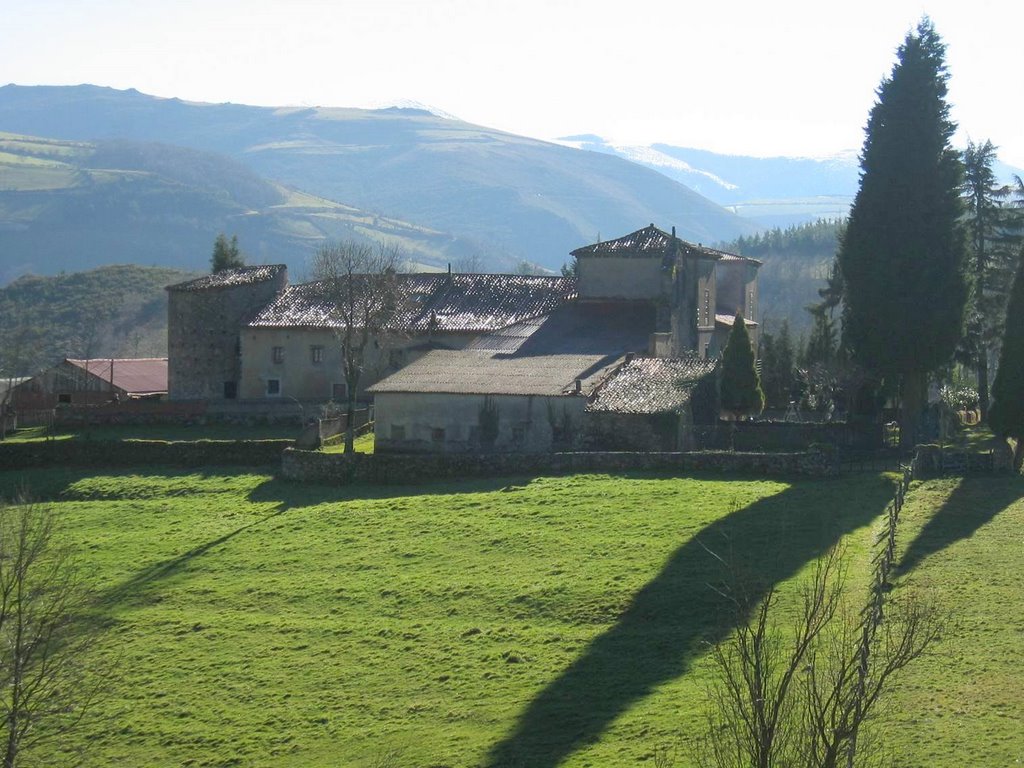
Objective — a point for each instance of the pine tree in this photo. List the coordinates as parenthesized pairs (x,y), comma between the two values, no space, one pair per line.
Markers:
(226,254)
(902,252)
(741,386)
(990,248)
(1007,414)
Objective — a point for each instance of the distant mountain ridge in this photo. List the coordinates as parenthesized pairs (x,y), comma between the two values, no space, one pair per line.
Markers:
(773,191)
(502,196)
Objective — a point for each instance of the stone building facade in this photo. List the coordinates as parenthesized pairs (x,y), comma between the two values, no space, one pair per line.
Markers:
(205,318)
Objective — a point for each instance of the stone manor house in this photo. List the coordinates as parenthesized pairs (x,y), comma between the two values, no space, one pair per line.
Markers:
(621,356)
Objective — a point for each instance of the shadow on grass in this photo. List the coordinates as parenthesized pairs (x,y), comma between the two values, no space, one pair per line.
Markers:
(288,494)
(671,619)
(974,502)
(133,589)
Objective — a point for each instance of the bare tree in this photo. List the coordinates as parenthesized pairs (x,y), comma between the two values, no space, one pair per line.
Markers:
(803,702)
(752,707)
(44,642)
(360,285)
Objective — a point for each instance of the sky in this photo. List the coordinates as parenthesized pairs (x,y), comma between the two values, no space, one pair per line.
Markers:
(790,77)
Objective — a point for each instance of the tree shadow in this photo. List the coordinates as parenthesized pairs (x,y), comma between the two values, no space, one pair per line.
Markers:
(131,591)
(288,494)
(974,502)
(673,617)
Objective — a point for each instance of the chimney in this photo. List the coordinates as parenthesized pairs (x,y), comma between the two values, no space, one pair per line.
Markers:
(673,233)
(629,358)
(579,386)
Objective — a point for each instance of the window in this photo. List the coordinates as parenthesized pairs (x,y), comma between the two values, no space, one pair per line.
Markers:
(437,435)
(277,355)
(273,387)
(339,392)
(316,354)
(230,390)
(397,432)
(64,398)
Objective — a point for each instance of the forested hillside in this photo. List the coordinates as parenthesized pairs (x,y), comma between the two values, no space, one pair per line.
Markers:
(796,262)
(118,311)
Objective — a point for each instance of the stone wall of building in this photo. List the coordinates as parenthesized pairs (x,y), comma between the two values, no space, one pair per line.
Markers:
(620,278)
(203,336)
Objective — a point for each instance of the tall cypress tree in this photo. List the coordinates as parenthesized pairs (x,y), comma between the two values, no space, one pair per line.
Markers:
(902,252)
(741,386)
(1007,414)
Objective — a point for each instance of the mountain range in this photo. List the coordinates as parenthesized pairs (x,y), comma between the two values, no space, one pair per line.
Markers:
(460,191)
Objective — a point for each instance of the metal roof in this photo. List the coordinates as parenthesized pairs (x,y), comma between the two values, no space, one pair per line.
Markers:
(543,356)
(437,302)
(135,376)
(229,278)
(651,385)
(481,372)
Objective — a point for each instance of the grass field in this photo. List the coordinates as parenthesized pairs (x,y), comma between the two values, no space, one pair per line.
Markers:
(515,622)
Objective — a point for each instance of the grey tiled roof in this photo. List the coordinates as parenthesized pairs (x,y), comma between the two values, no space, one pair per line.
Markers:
(479,372)
(651,385)
(444,303)
(229,278)
(651,241)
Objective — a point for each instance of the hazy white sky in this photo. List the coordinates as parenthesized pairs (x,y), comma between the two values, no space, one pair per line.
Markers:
(793,77)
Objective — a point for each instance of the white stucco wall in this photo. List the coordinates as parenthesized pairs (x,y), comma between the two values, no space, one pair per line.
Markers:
(450,423)
(305,380)
(620,278)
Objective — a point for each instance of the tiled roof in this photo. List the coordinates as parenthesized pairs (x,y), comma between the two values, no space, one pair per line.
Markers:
(650,241)
(229,278)
(452,303)
(651,385)
(486,373)
(136,376)
(728,320)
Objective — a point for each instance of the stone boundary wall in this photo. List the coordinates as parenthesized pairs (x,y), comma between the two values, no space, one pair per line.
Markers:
(388,469)
(180,412)
(139,453)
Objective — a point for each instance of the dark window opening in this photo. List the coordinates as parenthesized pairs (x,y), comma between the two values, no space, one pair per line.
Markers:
(273,386)
(230,390)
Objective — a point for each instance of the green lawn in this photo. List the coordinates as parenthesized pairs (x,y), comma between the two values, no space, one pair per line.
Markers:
(362,444)
(516,622)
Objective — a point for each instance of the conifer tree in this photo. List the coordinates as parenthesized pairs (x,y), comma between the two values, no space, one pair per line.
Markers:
(741,386)
(991,251)
(226,254)
(1007,414)
(902,252)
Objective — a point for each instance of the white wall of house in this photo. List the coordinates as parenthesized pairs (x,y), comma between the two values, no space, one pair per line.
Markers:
(284,362)
(620,278)
(452,423)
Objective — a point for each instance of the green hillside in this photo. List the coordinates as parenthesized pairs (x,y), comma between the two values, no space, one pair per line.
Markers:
(115,311)
(72,205)
(516,622)
(506,196)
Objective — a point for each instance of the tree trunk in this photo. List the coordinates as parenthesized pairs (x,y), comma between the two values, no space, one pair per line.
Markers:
(983,385)
(350,422)
(1018,454)
(914,398)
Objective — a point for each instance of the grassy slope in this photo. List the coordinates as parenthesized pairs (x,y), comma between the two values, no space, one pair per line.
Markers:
(123,201)
(265,623)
